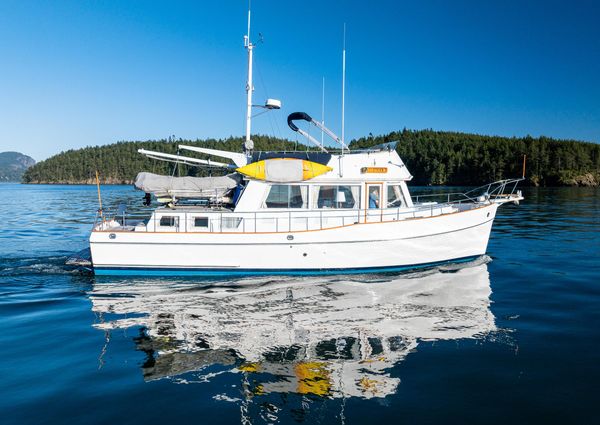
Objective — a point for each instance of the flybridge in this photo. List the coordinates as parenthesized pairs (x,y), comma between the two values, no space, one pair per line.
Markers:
(269,167)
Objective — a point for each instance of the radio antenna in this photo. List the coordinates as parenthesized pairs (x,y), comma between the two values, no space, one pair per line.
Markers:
(323,109)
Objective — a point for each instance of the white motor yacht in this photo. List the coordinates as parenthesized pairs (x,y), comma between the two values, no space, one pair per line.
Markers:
(316,211)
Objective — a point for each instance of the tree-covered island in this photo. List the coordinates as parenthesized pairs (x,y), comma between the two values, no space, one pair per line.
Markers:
(433,157)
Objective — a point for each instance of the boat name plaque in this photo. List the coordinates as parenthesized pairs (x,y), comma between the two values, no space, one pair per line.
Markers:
(378,170)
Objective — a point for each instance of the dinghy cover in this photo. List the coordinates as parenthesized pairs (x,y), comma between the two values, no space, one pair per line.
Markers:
(186,187)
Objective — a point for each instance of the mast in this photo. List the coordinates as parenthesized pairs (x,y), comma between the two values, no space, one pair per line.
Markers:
(341,157)
(249,145)
(343,84)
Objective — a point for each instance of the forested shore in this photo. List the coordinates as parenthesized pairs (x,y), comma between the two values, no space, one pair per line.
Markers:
(433,157)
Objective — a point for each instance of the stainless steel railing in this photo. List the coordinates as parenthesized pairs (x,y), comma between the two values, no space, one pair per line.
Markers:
(489,191)
(227,221)
(267,221)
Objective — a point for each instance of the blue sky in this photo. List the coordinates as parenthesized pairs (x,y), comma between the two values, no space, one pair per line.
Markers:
(77,73)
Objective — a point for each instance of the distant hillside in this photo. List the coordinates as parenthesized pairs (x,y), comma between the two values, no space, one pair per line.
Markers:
(13,165)
(433,157)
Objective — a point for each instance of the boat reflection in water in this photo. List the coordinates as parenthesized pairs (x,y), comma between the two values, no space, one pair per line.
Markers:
(331,337)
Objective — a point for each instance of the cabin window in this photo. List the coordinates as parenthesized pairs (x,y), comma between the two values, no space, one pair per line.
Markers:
(169,221)
(395,198)
(347,197)
(200,221)
(287,196)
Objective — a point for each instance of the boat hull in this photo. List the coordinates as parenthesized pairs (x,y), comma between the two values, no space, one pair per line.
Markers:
(359,248)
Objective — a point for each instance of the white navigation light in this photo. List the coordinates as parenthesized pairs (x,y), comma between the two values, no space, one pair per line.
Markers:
(273,104)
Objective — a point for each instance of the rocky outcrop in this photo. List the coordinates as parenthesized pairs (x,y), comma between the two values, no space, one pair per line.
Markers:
(13,165)
(584,180)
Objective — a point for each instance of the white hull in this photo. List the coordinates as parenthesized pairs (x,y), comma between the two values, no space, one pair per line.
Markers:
(356,248)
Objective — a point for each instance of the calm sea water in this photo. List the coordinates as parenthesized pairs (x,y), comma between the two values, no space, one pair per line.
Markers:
(511,338)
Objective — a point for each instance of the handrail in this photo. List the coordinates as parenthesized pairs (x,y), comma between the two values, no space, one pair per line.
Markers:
(494,189)
(304,219)
(250,222)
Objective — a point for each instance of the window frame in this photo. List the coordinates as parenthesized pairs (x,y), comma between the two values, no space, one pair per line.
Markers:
(305,205)
(174,219)
(201,218)
(356,196)
(389,186)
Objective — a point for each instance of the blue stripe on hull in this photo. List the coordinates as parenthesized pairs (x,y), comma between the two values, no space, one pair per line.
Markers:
(159,271)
